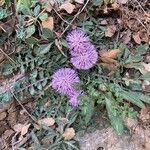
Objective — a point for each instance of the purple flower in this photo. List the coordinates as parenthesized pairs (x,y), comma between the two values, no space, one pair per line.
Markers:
(77,40)
(73,99)
(63,81)
(85,60)
(83,53)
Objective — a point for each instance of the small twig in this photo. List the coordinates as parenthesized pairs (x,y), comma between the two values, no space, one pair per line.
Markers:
(34,19)
(15,9)
(2,28)
(23,107)
(74,18)
(59,15)
(141,6)
(141,23)
(18,144)
(49,85)
(13,141)
(7,56)
(39,14)
(26,62)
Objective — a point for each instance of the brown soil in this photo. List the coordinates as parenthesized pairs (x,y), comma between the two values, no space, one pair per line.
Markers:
(10,116)
(137,139)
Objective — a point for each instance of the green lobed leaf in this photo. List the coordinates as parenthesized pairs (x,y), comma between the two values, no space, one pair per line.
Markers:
(5,97)
(43,16)
(47,33)
(87,108)
(34,73)
(30,30)
(36,10)
(24,6)
(115,120)
(45,48)
(4,13)
(142,97)
(97,2)
(142,49)
(7,69)
(137,66)
(138,55)
(32,90)
(132,97)
(134,59)
(146,77)
(22,68)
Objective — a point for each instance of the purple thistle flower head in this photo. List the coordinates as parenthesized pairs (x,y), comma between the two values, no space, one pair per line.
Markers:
(74,99)
(85,60)
(77,40)
(63,81)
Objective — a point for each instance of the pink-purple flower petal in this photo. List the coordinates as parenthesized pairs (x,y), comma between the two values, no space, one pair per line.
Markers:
(64,79)
(77,40)
(85,60)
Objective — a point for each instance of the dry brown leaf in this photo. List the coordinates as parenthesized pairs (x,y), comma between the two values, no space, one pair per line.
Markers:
(69,134)
(79,1)
(8,133)
(145,113)
(24,129)
(49,23)
(113,53)
(110,31)
(126,36)
(108,57)
(46,121)
(144,36)
(130,122)
(108,60)
(18,127)
(137,38)
(110,66)
(68,7)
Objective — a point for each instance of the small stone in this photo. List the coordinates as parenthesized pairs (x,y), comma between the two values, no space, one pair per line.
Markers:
(103,22)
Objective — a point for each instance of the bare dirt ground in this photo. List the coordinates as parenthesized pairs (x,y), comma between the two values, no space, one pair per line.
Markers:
(138,137)
(9,117)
